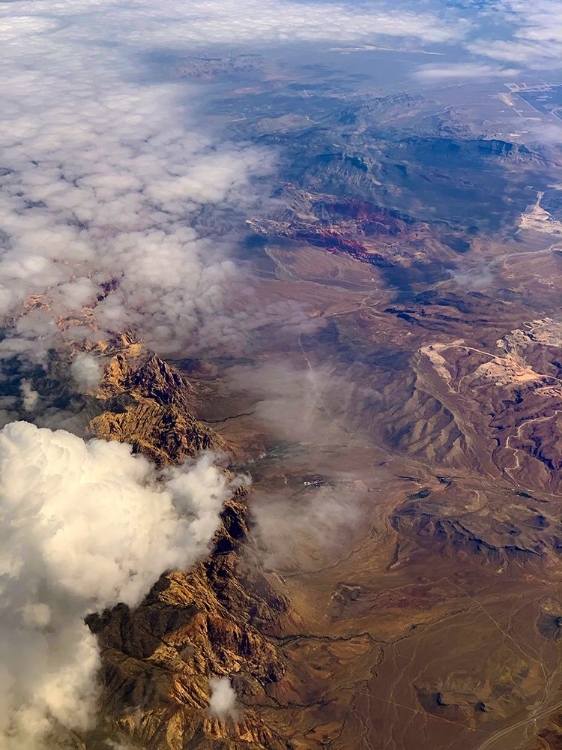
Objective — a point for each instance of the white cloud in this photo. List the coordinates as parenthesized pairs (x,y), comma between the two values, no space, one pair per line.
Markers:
(16,26)
(534,55)
(83,526)
(29,396)
(308,530)
(222,703)
(203,22)
(531,34)
(86,371)
(112,179)
(103,172)
(101,177)
(311,405)
(461,71)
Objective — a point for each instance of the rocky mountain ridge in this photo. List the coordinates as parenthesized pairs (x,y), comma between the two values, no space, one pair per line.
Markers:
(157,659)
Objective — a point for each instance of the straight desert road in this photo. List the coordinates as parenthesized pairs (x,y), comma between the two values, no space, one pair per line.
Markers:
(491,741)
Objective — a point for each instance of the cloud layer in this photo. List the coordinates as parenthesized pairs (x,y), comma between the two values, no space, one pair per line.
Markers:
(83,526)
(467,71)
(530,36)
(103,172)
(222,703)
(204,22)
(101,180)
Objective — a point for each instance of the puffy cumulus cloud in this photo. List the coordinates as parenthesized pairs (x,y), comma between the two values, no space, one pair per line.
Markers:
(222,702)
(29,395)
(86,371)
(282,21)
(101,176)
(469,71)
(82,527)
(101,182)
(202,22)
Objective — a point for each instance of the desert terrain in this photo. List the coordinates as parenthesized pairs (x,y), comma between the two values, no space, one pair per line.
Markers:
(388,576)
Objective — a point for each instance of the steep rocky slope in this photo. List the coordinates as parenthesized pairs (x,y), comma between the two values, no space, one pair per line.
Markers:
(151,407)
(157,659)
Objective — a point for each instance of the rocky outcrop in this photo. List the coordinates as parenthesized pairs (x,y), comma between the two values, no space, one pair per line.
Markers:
(151,407)
(210,621)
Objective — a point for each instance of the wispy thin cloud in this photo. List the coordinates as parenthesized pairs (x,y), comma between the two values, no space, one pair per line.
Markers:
(466,71)
(531,34)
